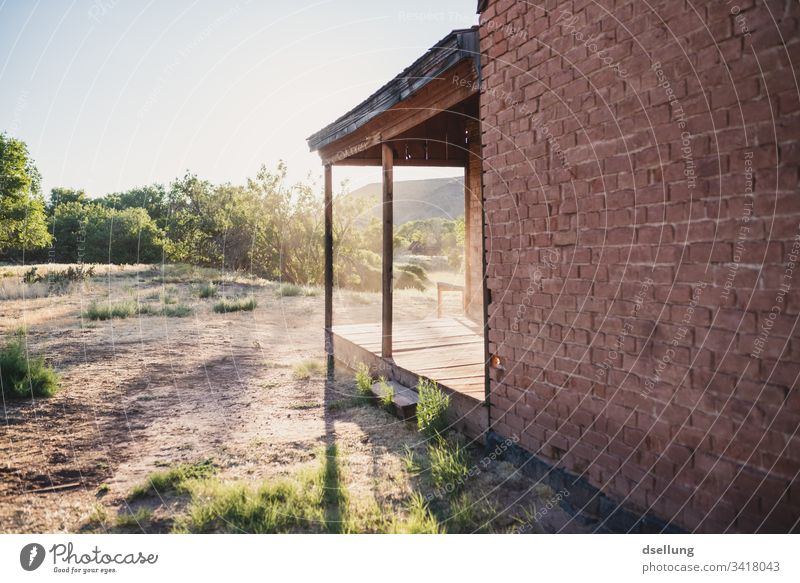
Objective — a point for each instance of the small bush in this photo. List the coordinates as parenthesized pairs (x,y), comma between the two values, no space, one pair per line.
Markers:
(431,408)
(308,368)
(173,480)
(363,381)
(22,375)
(57,277)
(210,290)
(409,276)
(235,305)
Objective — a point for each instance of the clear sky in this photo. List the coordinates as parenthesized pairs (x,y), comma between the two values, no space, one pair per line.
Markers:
(110,94)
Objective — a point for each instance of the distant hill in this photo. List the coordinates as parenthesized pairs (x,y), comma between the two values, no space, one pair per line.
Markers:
(420,199)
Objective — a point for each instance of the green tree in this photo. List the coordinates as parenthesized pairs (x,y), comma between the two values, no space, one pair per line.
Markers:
(152,198)
(61,195)
(22,212)
(98,234)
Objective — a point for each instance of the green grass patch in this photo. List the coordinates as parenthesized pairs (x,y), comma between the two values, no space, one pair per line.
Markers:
(431,408)
(23,375)
(235,305)
(449,465)
(133,520)
(178,311)
(344,404)
(209,290)
(313,501)
(117,310)
(175,479)
(468,516)
(411,461)
(290,290)
(420,519)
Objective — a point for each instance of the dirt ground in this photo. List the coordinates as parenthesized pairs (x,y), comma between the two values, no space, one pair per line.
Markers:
(150,391)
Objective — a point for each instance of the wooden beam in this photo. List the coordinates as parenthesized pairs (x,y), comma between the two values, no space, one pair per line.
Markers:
(418,162)
(388,248)
(328,258)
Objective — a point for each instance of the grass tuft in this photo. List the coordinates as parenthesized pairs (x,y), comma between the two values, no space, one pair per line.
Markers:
(178,311)
(290,290)
(387,393)
(420,519)
(117,310)
(209,290)
(449,465)
(308,368)
(235,305)
(133,520)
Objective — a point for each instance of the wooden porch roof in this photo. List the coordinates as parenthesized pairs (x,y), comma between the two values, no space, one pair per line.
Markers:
(422,112)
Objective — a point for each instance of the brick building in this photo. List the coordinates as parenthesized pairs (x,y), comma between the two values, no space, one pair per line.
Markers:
(641,235)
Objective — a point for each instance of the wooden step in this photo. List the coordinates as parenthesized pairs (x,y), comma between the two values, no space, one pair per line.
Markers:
(404,401)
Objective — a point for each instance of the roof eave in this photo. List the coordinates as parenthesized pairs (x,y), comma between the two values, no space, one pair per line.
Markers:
(457,46)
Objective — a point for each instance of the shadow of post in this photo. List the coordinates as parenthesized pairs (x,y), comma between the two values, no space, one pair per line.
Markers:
(333,497)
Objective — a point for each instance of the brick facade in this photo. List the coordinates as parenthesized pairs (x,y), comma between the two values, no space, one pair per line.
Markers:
(640,168)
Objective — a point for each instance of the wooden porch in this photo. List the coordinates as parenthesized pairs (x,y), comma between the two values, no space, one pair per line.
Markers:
(449,351)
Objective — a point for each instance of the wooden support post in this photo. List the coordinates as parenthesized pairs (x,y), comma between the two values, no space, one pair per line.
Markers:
(467,235)
(328,259)
(388,248)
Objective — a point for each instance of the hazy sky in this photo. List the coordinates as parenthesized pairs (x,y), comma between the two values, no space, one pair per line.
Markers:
(109,94)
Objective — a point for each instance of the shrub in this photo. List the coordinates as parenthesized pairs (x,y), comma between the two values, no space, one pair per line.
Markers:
(22,375)
(431,408)
(54,282)
(235,305)
(409,276)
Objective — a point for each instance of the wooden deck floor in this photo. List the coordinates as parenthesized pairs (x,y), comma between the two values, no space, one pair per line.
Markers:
(447,350)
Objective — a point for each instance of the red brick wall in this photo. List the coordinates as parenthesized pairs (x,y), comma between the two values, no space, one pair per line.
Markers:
(642,206)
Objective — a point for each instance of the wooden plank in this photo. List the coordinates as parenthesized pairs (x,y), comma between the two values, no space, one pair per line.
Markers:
(388,250)
(404,399)
(56,488)
(328,257)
